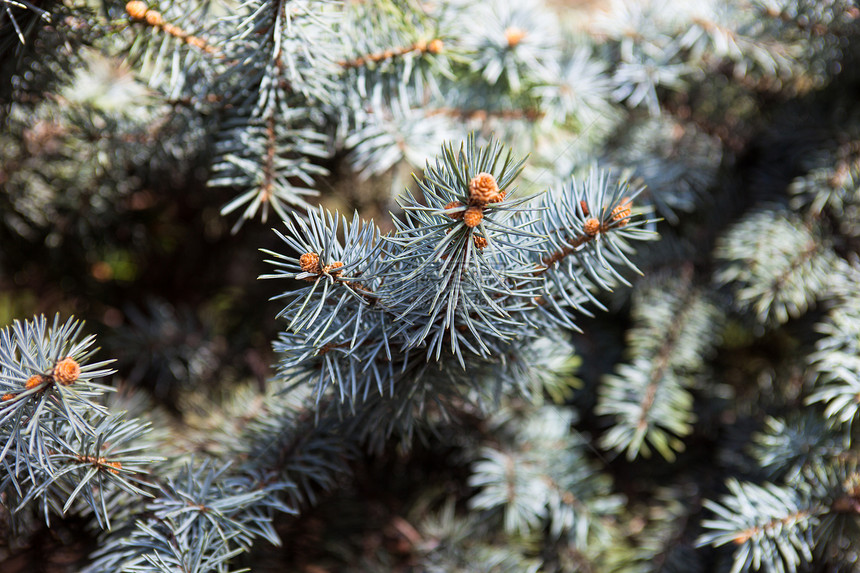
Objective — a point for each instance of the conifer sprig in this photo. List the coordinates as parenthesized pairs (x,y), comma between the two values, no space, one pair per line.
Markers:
(770,525)
(470,269)
(61,446)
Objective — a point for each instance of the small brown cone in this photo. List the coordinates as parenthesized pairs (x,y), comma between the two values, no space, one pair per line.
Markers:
(310,263)
(480,242)
(482,189)
(198,43)
(154,18)
(473,216)
(174,31)
(67,371)
(591,227)
(621,214)
(454,205)
(514,36)
(332,268)
(136,9)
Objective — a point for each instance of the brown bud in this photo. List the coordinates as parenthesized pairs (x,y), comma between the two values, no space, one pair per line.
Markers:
(310,263)
(499,197)
(591,227)
(174,31)
(454,205)
(154,18)
(584,206)
(33,381)
(198,43)
(332,267)
(482,188)
(136,9)
(473,216)
(7,397)
(622,213)
(744,536)
(514,36)
(435,46)
(67,371)
(480,242)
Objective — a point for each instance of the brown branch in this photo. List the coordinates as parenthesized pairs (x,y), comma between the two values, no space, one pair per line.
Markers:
(100,463)
(528,114)
(591,228)
(572,246)
(577,241)
(747,534)
(140,12)
(271,139)
(803,257)
(664,354)
(269,166)
(434,46)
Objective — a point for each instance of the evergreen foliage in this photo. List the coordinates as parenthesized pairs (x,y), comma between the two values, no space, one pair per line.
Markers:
(629,229)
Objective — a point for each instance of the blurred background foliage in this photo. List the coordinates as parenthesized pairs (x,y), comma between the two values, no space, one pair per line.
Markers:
(127,198)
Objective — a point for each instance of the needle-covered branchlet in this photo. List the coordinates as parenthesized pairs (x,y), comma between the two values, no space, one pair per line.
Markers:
(434,46)
(140,12)
(435,280)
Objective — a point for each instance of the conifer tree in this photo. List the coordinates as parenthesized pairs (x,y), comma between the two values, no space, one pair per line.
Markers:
(547,286)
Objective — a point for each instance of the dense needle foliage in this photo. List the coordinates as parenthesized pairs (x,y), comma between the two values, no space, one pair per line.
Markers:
(548,286)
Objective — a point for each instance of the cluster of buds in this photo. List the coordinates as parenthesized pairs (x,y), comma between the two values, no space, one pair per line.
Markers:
(434,46)
(310,263)
(483,190)
(619,218)
(621,214)
(139,11)
(65,372)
